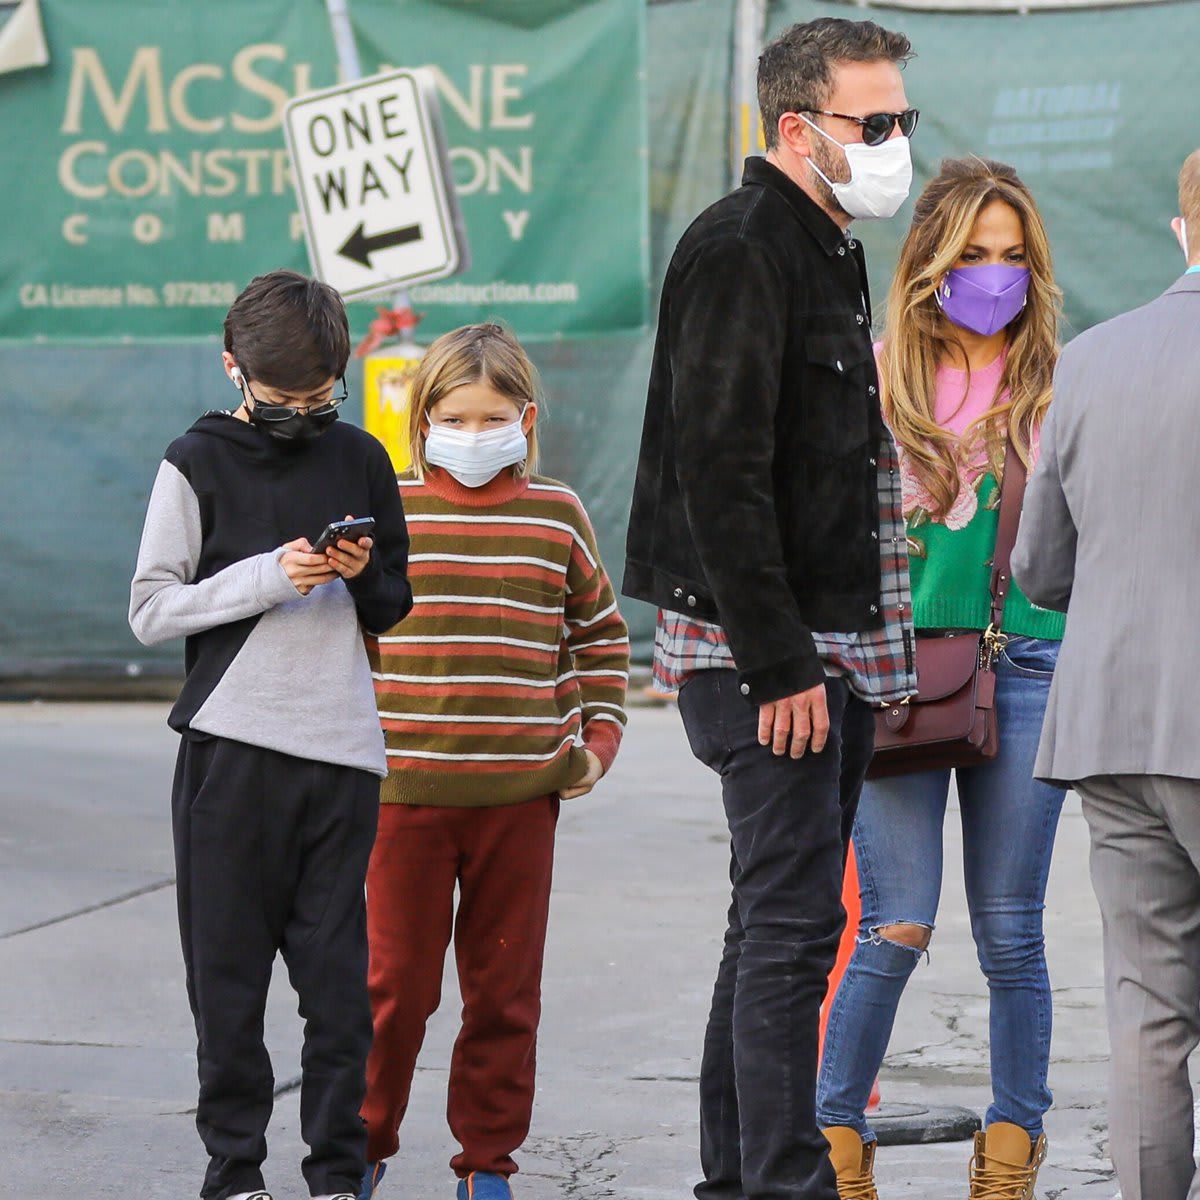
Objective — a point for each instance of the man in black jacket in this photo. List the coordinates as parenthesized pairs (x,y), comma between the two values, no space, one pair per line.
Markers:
(766,527)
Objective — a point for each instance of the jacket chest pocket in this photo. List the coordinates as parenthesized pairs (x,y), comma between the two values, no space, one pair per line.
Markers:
(839,393)
(531,628)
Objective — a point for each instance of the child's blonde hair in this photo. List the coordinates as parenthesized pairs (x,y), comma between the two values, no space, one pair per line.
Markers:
(489,354)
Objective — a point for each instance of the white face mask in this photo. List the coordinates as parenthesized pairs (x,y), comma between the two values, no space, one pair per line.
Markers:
(880,176)
(476,458)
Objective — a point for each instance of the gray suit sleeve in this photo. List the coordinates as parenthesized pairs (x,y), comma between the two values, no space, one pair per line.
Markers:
(1043,561)
(164,603)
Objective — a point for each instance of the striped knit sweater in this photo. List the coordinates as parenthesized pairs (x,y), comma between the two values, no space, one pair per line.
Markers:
(514,657)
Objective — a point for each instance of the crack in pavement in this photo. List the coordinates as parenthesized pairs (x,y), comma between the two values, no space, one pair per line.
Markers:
(583,1154)
(291,1084)
(81,1045)
(145,890)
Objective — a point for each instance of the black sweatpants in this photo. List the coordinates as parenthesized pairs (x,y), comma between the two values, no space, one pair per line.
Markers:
(271,856)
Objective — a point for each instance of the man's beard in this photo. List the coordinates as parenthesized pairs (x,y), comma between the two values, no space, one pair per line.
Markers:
(832,163)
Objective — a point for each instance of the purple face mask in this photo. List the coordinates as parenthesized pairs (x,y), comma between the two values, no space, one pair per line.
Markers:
(984,299)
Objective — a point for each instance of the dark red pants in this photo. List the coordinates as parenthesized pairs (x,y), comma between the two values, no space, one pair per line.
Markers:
(501,859)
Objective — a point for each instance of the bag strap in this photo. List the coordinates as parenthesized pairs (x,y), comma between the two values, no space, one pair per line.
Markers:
(1012,496)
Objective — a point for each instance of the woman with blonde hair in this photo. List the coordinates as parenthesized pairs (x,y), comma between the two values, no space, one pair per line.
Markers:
(966,363)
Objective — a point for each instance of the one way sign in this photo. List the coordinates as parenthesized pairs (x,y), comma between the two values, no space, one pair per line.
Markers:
(373,180)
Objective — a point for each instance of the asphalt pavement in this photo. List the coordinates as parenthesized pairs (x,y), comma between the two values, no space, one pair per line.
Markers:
(97,1069)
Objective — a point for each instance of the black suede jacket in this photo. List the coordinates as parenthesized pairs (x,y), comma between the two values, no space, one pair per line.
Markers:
(756,502)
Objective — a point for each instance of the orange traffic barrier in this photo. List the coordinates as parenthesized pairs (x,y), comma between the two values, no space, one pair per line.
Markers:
(853,904)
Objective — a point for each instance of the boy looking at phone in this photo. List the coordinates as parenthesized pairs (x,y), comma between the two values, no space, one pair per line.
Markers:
(276,789)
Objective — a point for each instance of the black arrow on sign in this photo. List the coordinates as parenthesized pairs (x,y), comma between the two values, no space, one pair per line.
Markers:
(359,248)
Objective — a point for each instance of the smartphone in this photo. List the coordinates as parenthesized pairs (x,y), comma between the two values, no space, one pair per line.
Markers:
(337,531)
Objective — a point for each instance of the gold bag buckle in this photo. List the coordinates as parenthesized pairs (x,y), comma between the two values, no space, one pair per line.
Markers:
(990,647)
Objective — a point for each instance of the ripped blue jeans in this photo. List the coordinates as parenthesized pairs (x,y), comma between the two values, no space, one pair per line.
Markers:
(1009,821)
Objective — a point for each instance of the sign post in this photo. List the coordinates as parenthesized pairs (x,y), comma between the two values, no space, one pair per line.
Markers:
(372,175)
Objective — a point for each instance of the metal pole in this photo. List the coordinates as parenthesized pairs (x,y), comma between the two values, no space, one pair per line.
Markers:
(350,66)
(749,31)
(343,39)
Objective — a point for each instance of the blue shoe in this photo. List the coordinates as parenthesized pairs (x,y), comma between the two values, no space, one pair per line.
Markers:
(372,1179)
(483,1185)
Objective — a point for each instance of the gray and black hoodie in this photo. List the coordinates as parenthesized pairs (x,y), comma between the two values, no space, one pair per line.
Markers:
(265,665)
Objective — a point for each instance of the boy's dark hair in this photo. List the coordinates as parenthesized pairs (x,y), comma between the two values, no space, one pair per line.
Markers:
(795,72)
(288,331)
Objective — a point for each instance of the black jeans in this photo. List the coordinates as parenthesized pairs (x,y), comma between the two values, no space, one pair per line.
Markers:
(271,856)
(789,823)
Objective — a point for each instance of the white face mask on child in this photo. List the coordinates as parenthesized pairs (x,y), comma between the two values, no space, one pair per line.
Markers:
(476,458)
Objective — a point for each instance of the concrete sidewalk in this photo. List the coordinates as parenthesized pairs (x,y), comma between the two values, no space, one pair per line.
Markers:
(97,1074)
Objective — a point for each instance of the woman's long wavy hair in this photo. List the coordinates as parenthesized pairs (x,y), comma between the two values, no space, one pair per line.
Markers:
(918,338)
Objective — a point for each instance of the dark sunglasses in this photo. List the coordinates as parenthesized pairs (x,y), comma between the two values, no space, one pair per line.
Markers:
(877,128)
(283,412)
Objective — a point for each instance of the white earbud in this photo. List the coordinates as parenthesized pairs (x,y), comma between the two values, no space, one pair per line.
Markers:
(236,376)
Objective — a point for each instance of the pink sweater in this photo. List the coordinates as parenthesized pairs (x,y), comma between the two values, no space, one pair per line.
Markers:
(956,404)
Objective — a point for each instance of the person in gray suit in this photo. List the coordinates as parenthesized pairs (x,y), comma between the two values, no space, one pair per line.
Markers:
(1109,535)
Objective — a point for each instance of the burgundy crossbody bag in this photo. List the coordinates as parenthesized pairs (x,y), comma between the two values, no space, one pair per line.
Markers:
(951,721)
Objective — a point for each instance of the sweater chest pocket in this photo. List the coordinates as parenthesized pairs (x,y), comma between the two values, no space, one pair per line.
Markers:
(531,628)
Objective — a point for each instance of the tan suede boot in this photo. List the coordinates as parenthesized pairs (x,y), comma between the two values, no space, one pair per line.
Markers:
(854,1161)
(1006,1162)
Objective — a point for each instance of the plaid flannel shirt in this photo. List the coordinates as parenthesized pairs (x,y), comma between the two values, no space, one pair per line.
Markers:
(879,665)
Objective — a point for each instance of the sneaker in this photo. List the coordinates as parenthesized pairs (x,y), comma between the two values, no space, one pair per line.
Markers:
(483,1185)
(371,1180)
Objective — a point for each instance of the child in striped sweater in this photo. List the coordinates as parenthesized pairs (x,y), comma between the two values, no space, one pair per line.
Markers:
(503,692)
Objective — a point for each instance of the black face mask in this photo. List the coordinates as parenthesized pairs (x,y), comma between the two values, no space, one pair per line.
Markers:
(295,428)
(289,425)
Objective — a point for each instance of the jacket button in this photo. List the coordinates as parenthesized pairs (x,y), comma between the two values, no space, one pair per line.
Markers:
(841,251)
(678,593)
(874,462)
(859,318)
(874,536)
(871,390)
(874,609)
(745,689)
(691,602)
(838,364)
